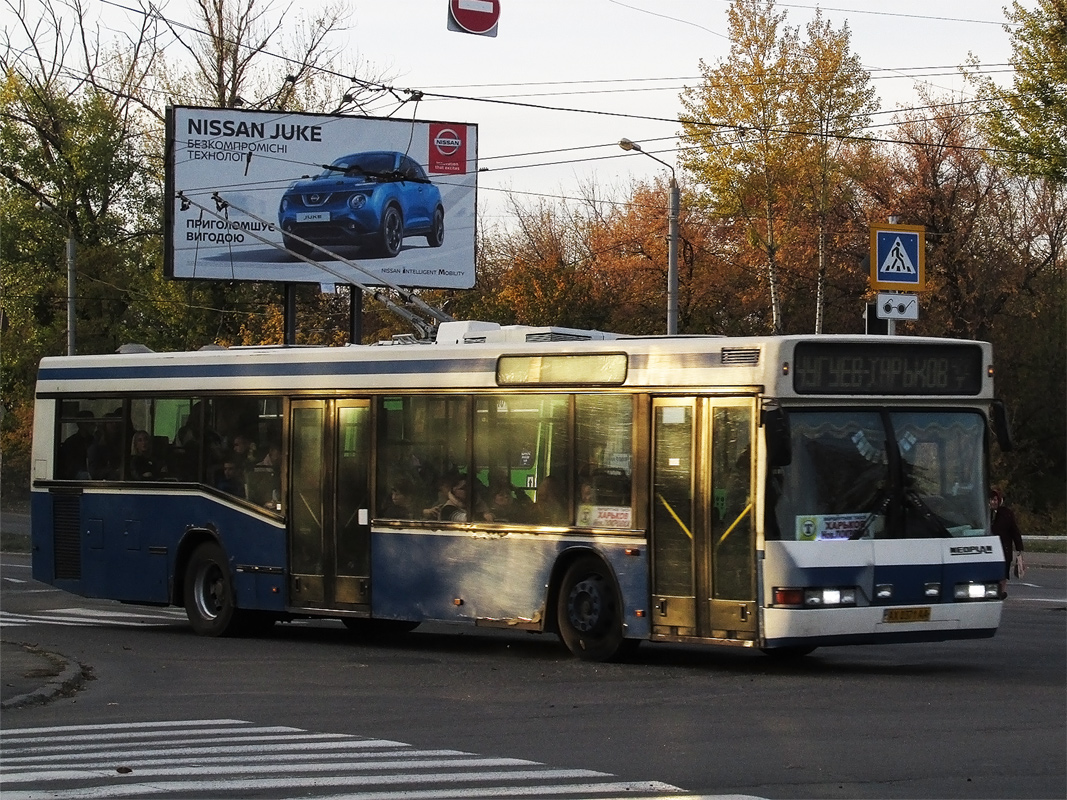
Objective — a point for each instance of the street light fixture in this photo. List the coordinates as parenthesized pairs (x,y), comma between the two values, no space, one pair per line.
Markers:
(672,238)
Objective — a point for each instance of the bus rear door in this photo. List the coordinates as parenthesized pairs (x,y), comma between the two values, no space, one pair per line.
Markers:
(703,540)
(329,524)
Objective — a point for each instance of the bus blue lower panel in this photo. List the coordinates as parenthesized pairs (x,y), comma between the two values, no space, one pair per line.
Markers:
(502,578)
(123,544)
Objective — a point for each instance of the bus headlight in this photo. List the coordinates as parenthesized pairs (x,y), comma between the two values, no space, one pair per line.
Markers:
(815,597)
(976,591)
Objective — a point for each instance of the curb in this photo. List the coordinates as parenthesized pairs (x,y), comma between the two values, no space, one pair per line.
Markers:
(71,678)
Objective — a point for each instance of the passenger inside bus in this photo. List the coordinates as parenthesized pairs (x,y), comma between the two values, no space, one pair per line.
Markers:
(453,506)
(143,466)
(397,503)
(505,504)
(74,452)
(229,479)
(105,454)
(264,480)
(552,501)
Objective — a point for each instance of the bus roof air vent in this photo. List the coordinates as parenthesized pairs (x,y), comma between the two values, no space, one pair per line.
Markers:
(557,336)
(740,356)
(475,332)
(134,348)
(552,333)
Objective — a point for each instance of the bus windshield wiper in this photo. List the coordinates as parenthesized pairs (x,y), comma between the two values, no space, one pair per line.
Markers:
(883,499)
(915,501)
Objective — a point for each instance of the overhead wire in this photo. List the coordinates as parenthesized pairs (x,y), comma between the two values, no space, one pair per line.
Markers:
(384,92)
(429,96)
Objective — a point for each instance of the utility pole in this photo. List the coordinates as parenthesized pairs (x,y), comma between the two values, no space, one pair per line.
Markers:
(70,293)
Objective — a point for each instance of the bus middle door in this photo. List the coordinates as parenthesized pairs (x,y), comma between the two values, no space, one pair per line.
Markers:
(329,526)
(703,543)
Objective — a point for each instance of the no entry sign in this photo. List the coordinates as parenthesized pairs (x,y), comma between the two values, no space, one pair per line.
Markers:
(474,16)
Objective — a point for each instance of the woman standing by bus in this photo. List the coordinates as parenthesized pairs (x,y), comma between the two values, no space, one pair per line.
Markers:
(1011,538)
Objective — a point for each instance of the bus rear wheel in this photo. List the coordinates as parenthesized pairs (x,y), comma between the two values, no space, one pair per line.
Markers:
(589,612)
(209,595)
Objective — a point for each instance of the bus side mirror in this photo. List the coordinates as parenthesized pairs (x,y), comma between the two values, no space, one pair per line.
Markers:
(999,418)
(779,440)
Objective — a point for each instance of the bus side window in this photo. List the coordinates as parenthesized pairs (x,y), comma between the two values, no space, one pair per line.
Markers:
(603,444)
(420,439)
(91,436)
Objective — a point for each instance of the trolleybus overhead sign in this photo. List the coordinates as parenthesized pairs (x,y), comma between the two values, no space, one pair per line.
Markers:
(897,257)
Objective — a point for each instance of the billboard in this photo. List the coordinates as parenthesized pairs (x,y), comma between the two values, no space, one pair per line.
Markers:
(252,194)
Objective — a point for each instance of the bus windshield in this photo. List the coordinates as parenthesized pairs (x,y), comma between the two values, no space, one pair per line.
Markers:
(880,473)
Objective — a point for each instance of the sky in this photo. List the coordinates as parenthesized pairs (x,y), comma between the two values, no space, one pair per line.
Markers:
(564,80)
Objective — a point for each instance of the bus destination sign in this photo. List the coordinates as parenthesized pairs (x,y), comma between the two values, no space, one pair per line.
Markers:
(890,369)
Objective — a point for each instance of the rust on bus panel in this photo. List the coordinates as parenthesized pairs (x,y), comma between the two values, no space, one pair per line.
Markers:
(517,623)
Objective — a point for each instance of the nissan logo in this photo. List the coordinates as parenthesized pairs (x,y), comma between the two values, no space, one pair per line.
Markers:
(447,142)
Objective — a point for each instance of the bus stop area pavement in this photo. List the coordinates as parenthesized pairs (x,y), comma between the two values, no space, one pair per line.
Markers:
(30,675)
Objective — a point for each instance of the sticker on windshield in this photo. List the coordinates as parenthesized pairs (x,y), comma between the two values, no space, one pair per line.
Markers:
(821,527)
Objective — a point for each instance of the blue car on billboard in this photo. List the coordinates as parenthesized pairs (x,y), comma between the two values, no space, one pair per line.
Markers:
(372,200)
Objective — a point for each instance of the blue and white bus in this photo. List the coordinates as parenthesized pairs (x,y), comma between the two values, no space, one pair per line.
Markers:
(781,493)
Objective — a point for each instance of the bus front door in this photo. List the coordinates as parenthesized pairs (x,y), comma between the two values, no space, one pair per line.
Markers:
(329,524)
(703,535)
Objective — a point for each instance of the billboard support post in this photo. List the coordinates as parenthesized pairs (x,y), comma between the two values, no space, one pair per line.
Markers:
(355,314)
(290,314)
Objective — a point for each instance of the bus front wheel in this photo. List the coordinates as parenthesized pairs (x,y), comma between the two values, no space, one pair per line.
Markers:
(589,612)
(209,595)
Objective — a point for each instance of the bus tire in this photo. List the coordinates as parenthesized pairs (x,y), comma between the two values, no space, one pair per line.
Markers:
(589,612)
(209,595)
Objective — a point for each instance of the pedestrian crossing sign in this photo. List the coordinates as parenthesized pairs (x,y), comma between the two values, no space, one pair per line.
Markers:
(897,257)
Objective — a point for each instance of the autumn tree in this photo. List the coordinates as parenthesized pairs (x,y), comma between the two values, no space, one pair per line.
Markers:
(996,270)
(1027,123)
(831,106)
(82,156)
(249,53)
(531,272)
(979,254)
(734,131)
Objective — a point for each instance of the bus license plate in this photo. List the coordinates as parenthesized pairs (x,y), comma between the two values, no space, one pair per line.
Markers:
(906,614)
(313,216)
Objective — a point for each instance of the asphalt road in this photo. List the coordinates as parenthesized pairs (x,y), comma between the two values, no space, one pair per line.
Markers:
(980,719)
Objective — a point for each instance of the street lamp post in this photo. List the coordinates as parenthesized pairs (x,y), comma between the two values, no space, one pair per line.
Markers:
(673,206)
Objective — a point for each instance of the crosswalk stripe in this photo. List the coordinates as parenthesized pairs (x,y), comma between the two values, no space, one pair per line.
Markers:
(8,619)
(207,755)
(115,760)
(193,724)
(97,737)
(299,782)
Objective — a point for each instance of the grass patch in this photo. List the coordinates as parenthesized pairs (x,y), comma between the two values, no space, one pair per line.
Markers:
(14,542)
(1046,544)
